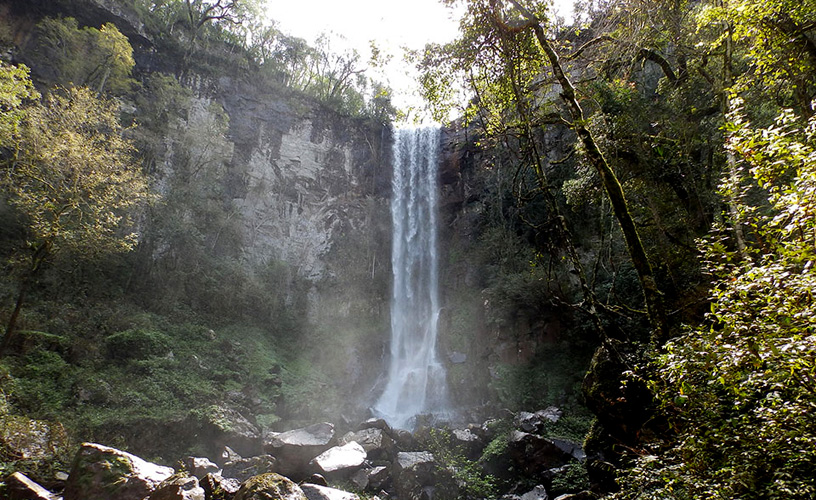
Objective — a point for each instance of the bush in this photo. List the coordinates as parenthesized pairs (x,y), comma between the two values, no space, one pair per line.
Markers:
(137,344)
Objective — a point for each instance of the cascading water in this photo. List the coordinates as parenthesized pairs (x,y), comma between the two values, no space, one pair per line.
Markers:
(416,378)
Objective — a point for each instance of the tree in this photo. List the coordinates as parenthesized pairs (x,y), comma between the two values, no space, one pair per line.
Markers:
(514,47)
(69,172)
(98,58)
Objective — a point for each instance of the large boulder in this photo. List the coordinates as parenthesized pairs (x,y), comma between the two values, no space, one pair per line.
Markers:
(316,492)
(340,461)
(414,474)
(217,487)
(371,479)
(20,487)
(222,426)
(469,442)
(178,487)
(29,439)
(102,473)
(538,421)
(297,447)
(528,455)
(269,487)
(376,442)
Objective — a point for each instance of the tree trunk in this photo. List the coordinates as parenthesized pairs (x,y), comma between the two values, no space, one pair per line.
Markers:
(613,188)
(24,284)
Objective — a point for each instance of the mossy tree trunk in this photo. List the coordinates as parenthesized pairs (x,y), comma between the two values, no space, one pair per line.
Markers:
(614,190)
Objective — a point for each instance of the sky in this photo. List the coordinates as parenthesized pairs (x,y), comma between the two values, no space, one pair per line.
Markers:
(393,24)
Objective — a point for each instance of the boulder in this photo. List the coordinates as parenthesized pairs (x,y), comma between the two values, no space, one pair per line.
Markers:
(28,439)
(340,461)
(414,474)
(200,467)
(375,423)
(376,442)
(178,487)
(537,493)
(244,468)
(471,444)
(101,473)
(527,455)
(537,422)
(315,492)
(294,449)
(217,487)
(226,427)
(269,486)
(371,479)
(20,487)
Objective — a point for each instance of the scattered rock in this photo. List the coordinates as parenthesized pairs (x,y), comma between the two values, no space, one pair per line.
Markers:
(376,442)
(571,448)
(584,495)
(457,358)
(178,487)
(414,474)
(315,492)
(526,454)
(217,487)
(537,493)
(227,427)
(317,479)
(228,455)
(469,442)
(340,461)
(101,473)
(537,422)
(200,467)
(30,439)
(269,486)
(375,423)
(20,487)
(244,468)
(296,448)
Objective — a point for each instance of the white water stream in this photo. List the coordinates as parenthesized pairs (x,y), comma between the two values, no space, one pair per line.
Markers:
(416,378)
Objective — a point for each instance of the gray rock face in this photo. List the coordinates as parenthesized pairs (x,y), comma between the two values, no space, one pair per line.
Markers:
(178,487)
(376,442)
(537,493)
(469,442)
(269,486)
(340,460)
(316,492)
(101,473)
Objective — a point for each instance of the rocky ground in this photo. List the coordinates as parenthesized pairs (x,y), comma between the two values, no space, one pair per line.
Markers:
(511,459)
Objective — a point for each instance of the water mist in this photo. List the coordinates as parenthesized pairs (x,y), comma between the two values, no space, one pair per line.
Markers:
(416,378)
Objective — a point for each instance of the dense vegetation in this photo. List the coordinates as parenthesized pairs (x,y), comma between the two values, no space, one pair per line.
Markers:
(704,112)
(648,172)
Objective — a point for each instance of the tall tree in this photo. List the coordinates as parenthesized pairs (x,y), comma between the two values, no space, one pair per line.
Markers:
(71,175)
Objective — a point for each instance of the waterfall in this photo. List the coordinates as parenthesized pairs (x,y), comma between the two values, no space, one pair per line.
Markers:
(416,378)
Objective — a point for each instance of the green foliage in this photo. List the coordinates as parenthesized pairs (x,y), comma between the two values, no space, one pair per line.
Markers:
(136,344)
(472,481)
(72,175)
(571,479)
(85,57)
(740,392)
(15,90)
